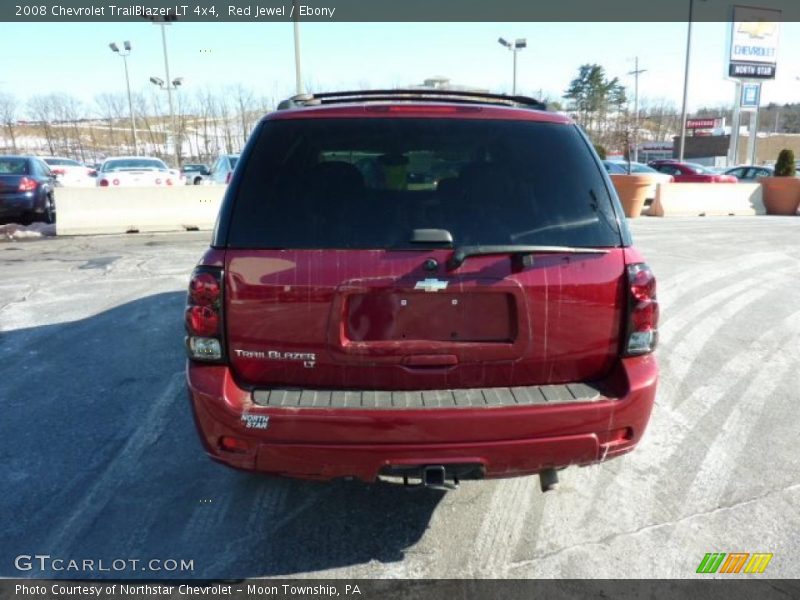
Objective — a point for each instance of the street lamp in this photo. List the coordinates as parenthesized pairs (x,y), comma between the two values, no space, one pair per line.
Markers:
(518,45)
(297,77)
(686,81)
(636,72)
(169,88)
(163,22)
(124,54)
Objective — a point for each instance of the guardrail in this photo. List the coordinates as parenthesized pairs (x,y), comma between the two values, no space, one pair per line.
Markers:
(83,211)
(707,199)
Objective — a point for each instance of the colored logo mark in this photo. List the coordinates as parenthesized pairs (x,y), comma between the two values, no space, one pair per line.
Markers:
(735,562)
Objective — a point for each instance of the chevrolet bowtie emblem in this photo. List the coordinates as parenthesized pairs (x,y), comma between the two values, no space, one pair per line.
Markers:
(431,285)
(757,29)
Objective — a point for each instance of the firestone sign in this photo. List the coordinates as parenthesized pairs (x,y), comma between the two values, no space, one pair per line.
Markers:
(754,43)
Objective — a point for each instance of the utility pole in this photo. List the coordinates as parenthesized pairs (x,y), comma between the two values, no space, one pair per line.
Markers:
(514,47)
(124,55)
(297,74)
(636,72)
(686,81)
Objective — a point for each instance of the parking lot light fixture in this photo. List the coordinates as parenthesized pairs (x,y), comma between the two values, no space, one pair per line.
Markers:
(124,54)
(515,47)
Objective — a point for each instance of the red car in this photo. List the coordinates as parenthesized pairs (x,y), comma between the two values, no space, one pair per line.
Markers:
(424,285)
(690,172)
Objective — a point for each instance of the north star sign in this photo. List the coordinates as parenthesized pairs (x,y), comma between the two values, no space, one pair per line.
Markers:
(754,43)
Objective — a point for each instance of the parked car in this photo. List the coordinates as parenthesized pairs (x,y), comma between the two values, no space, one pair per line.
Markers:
(136,171)
(750,173)
(68,172)
(194,173)
(615,168)
(495,323)
(638,168)
(690,172)
(27,191)
(222,169)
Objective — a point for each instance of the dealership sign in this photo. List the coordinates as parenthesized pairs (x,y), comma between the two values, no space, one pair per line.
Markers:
(753,43)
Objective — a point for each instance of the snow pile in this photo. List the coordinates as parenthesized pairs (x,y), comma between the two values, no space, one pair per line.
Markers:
(16,232)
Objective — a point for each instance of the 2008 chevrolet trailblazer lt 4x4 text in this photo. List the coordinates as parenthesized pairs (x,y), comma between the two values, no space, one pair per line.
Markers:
(424,284)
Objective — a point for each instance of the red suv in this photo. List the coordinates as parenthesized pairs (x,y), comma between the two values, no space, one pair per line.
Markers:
(431,285)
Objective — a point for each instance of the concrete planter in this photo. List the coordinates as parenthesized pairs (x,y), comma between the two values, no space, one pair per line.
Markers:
(632,191)
(781,195)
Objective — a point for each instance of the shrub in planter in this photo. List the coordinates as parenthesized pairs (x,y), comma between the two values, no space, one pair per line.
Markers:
(785,166)
(601,151)
(781,193)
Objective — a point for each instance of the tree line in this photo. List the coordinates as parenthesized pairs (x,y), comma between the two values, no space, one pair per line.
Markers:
(212,121)
(205,123)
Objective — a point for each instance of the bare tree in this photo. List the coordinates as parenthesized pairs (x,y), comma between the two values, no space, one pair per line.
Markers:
(40,108)
(245,106)
(73,113)
(111,107)
(8,117)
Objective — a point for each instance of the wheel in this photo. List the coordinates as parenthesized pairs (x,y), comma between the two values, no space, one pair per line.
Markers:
(198,180)
(49,215)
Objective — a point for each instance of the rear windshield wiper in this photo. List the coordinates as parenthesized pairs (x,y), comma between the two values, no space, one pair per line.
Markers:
(461,253)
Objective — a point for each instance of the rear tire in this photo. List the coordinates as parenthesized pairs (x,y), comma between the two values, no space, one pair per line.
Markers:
(49,215)
(198,180)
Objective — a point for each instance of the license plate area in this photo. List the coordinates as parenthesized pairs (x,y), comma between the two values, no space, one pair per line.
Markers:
(403,315)
(391,321)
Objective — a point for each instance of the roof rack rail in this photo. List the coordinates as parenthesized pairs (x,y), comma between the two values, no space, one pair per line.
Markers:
(430,95)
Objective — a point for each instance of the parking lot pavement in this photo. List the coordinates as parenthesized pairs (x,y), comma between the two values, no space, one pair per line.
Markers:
(100,458)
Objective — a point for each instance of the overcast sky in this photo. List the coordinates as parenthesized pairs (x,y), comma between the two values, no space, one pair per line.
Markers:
(75,58)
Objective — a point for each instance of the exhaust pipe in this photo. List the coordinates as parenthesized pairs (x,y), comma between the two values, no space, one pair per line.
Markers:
(548,479)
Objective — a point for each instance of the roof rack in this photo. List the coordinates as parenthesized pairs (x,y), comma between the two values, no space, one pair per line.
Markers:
(429,95)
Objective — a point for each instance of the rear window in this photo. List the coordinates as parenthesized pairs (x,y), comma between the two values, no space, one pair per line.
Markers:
(13,166)
(368,183)
(62,162)
(133,164)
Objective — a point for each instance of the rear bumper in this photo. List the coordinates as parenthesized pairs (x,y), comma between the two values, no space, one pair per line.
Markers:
(16,204)
(325,443)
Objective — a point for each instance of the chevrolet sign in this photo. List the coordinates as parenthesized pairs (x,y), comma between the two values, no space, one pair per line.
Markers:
(753,45)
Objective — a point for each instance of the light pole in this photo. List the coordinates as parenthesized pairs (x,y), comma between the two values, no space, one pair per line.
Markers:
(169,87)
(686,81)
(163,22)
(636,72)
(114,48)
(297,77)
(518,45)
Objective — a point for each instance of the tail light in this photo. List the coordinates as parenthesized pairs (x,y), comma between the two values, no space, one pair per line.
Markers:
(91,173)
(228,177)
(104,183)
(203,315)
(158,181)
(169,181)
(115,182)
(671,179)
(26,184)
(642,329)
(57,171)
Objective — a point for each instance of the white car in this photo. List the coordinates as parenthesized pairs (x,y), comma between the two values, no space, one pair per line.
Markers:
(136,171)
(641,169)
(68,172)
